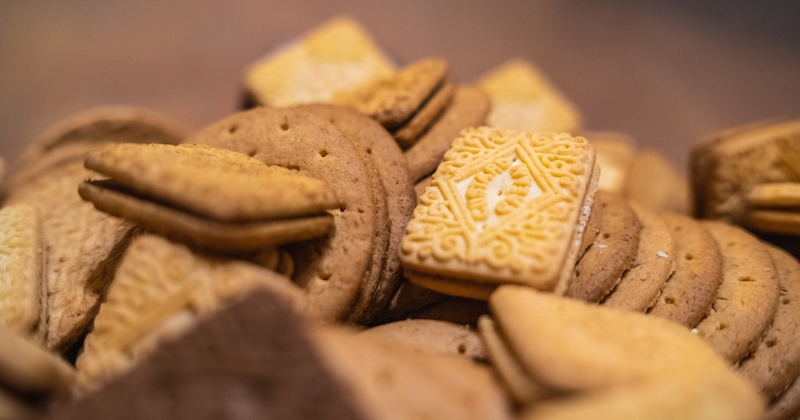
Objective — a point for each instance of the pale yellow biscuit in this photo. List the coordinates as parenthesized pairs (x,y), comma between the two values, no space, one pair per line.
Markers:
(615,152)
(22,262)
(524,99)
(504,206)
(159,291)
(339,55)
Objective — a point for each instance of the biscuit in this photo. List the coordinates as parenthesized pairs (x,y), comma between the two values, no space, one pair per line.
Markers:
(615,152)
(669,193)
(523,99)
(468,108)
(202,233)
(21,269)
(504,206)
(774,221)
(392,100)
(430,337)
(409,132)
(331,269)
(461,311)
(420,186)
(28,370)
(253,359)
(786,406)
(71,138)
(778,194)
(83,247)
(641,284)
(2,170)
(159,290)
(392,168)
(612,252)
(522,388)
(407,298)
(726,165)
(692,288)
(747,298)
(451,286)
(218,184)
(626,347)
(773,365)
(337,56)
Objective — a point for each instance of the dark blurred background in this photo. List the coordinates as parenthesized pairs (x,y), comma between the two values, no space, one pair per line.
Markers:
(666,72)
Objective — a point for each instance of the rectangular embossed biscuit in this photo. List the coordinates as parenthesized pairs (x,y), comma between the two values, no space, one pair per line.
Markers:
(503,207)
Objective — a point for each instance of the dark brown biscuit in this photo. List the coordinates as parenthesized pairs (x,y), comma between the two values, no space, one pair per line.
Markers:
(468,108)
(641,284)
(612,252)
(409,297)
(773,365)
(331,269)
(408,134)
(747,298)
(692,287)
(462,311)
(391,165)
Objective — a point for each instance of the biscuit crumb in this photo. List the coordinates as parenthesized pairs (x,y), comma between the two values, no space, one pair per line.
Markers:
(694,330)
(602,246)
(662,254)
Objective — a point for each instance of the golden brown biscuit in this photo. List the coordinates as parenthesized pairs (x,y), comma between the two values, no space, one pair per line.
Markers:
(430,337)
(614,248)
(331,269)
(747,298)
(392,169)
(692,288)
(496,181)
(468,108)
(670,192)
(159,291)
(641,284)
(28,370)
(408,134)
(523,99)
(392,101)
(615,152)
(22,269)
(338,55)
(773,365)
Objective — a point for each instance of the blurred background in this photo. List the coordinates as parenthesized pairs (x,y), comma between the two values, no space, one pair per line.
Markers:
(666,72)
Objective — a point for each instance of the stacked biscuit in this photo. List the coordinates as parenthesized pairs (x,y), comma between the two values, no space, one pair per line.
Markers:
(250,269)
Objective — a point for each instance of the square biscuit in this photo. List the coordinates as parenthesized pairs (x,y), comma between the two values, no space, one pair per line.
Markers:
(524,99)
(504,206)
(337,56)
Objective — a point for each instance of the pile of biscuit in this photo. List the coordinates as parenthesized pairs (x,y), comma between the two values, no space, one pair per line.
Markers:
(370,241)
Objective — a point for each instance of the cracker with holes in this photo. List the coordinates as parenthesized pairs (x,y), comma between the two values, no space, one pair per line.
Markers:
(392,101)
(159,291)
(773,365)
(614,248)
(524,99)
(468,108)
(747,298)
(430,337)
(211,198)
(338,56)
(503,207)
(692,288)
(671,371)
(392,170)
(640,285)
(22,269)
(331,268)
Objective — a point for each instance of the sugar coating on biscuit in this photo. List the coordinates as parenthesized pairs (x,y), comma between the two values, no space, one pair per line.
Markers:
(523,99)
(338,56)
(503,206)
(20,266)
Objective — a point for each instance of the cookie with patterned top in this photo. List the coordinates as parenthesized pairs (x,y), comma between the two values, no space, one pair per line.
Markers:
(503,207)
